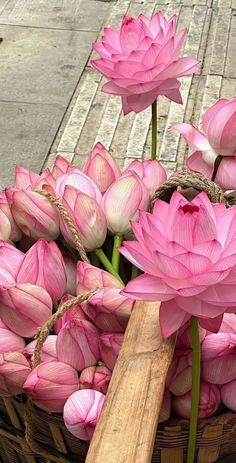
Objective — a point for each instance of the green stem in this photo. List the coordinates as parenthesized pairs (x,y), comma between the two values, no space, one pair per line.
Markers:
(134,272)
(115,260)
(107,264)
(216,166)
(196,373)
(154,130)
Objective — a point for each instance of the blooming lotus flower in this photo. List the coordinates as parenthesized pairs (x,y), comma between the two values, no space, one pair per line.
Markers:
(82,411)
(151,173)
(48,351)
(184,338)
(76,312)
(14,369)
(9,341)
(208,404)
(43,265)
(141,61)
(187,251)
(79,181)
(228,324)
(166,407)
(25,179)
(50,384)
(89,277)
(110,344)
(97,378)
(5,227)
(24,308)
(218,139)
(228,396)
(10,261)
(101,167)
(109,310)
(179,377)
(34,214)
(122,201)
(88,217)
(78,344)
(218,358)
(61,166)
(16,233)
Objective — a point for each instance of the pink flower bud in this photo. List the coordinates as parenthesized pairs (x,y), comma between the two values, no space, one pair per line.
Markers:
(50,384)
(179,377)
(25,179)
(228,324)
(76,312)
(61,166)
(122,201)
(166,407)
(184,338)
(34,214)
(24,308)
(110,344)
(46,181)
(101,167)
(14,370)
(5,227)
(151,173)
(43,265)
(208,405)
(9,341)
(109,310)
(228,395)
(48,351)
(82,411)
(89,277)
(10,261)
(97,378)
(78,344)
(218,358)
(16,233)
(80,182)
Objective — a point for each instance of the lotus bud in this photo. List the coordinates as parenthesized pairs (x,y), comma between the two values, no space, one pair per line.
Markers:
(9,341)
(97,378)
(82,411)
(110,344)
(46,181)
(228,324)
(228,396)
(16,233)
(179,377)
(50,384)
(122,201)
(184,338)
(101,167)
(151,173)
(80,182)
(43,265)
(24,308)
(48,352)
(14,370)
(166,407)
(89,277)
(25,179)
(71,271)
(10,261)
(76,312)
(208,404)
(109,310)
(78,344)
(5,227)
(61,166)
(218,358)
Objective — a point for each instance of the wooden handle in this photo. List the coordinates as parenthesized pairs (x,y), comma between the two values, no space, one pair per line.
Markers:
(127,426)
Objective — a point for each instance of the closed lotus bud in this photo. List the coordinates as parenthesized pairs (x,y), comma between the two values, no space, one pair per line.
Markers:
(179,377)
(228,324)
(34,214)
(122,201)
(184,338)
(110,344)
(14,370)
(82,411)
(218,358)
(48,352)
(76,312)
(46,182)
(43,265)
(166,407)
(9,341)
(97,378)
(61,166)
(208,404)
(228,395)
(109,310)
(89,277)
(78,344)
(101,167)
(5,227)
(24,308)
(50,384)
(10,261)
(25,179)
(80,182)
(151,173)
(16,233)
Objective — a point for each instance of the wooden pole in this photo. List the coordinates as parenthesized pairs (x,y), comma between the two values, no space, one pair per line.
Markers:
(127,426)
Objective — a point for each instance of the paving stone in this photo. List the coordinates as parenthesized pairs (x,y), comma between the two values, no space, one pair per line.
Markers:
(220,44)
(230,64)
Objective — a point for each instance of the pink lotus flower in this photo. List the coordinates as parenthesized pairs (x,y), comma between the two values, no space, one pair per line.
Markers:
(78,344)
(228,324)
(89,277)
(5,227)
(101,167)
(76,312)
(228,396)
(48,351)
(14,370)
(50,384)
(82,411)
(141,61)
(10,261)
(218,358)
(122,201)
(25,179)
(218,139)
(187,251)
(24,308)
(179,377)
(9,341)
(208,405)
(46,181)
(61,166)
(79,181)
(34,214)
(88,217)
(166,407)
(151,173)
(43,265)
(97,378)
(109,310)
(184,338)
(110,344)
(16,233)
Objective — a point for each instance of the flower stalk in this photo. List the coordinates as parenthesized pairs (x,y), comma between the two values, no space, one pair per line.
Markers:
(154,131)
(107,264)
(115,260)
